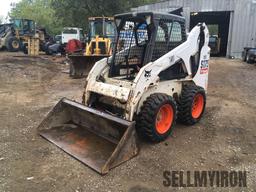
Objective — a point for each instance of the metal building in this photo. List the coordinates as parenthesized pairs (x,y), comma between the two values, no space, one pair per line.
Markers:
(236,20)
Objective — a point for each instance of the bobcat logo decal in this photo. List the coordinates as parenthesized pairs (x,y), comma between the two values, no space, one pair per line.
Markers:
(147,73)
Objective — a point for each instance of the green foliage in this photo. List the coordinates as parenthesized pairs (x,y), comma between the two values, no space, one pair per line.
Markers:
(75,13)
(38,10)
(56,14)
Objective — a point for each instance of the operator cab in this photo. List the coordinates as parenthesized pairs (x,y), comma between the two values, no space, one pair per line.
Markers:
(102,27)
(24,26)
(143,37)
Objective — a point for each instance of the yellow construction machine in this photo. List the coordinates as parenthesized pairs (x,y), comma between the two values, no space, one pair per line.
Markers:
(15,35)
(101,34)
(22,34)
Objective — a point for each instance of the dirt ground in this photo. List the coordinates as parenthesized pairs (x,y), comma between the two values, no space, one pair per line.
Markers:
(225,139)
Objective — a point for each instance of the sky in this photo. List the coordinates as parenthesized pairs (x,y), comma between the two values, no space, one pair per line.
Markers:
(5,6)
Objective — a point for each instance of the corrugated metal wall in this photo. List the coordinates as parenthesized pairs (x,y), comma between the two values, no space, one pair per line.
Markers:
(242,30)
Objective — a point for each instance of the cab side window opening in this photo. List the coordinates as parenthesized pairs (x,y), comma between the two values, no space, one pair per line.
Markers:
(162,39)
(110,29)
(130,45)
(169,35)
(18,24)
(176,35)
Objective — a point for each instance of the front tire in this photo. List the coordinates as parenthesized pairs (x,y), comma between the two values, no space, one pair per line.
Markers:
(157,117)
(191,104)
(13,44)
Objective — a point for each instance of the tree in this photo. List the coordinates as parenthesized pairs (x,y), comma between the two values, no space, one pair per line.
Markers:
(56,14)
(38,10)
(75,13)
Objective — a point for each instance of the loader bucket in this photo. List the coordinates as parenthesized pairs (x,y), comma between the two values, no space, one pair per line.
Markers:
(95,138)
(81,65)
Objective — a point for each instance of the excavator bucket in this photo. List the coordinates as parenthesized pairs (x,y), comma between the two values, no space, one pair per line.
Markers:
(95,138)
(81,65)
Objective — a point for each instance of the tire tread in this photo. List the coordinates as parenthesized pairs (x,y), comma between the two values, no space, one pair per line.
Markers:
(185,104)
(145,122)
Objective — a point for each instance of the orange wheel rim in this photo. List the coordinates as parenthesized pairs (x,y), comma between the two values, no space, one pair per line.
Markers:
(198,105)
(164,118)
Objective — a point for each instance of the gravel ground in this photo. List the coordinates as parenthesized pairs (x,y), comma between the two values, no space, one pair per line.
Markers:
(225,138)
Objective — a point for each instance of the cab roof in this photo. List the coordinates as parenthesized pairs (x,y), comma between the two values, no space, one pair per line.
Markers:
(100,18)
(155,15)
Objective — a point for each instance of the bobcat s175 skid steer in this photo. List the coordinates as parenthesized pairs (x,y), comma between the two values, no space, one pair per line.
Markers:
(156,75)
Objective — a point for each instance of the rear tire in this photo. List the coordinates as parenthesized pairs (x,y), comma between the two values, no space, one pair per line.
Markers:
(191,104)
(13,44)
(248,60)
(157,117)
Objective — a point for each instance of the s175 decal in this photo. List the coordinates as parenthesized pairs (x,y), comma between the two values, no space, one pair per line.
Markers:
(204,67)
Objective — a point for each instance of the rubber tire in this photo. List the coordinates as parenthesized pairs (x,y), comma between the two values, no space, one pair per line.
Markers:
(46,48)
(185,104)
(9,44)
(145,121)
(248,60)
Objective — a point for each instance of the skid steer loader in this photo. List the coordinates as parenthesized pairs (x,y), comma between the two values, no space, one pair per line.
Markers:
(157,76)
